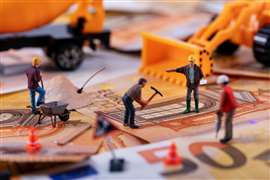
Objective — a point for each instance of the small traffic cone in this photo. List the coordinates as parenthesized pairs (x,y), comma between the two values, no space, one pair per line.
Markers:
(32,146)
(173,158)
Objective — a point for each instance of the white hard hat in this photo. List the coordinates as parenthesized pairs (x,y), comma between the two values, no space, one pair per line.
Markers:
(222,79)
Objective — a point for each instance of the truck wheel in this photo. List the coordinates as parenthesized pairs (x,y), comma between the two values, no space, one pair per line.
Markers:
(227,48)
(68,57)
(261,45)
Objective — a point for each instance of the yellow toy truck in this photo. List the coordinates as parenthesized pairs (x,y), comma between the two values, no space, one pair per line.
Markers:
(25,23)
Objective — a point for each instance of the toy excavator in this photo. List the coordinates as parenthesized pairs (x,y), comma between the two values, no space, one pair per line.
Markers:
(242,22)
(22,24)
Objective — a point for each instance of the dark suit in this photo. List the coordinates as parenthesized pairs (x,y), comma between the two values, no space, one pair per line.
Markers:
(192,85)
(198,75)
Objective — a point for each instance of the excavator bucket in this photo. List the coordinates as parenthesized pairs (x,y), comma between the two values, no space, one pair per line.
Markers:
(160,54)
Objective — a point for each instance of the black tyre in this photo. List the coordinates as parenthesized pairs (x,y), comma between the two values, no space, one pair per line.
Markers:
(227,48)
(65,116)
(68,57)
(261,45)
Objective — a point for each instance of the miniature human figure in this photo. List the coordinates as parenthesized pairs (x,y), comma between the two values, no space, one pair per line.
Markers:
(134,93)
(193,75)
(34,77)
(227,105)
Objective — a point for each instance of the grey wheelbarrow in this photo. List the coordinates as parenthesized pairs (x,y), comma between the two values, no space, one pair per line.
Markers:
(53,110)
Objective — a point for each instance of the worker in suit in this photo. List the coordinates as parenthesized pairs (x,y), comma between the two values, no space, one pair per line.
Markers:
(193,74)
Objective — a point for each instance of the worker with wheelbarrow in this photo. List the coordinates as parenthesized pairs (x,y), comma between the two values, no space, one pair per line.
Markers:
(34,78)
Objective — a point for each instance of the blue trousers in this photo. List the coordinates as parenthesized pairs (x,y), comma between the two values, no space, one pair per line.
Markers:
(41,97)
(130,110)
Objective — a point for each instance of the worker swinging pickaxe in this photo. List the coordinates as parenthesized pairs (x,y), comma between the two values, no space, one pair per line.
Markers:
(157,92)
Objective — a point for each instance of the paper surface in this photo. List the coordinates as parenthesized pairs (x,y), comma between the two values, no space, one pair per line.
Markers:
(128,38)
(246,66)
(116,65)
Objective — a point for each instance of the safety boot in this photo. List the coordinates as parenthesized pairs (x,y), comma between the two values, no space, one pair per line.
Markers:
(187,106)
(197,106)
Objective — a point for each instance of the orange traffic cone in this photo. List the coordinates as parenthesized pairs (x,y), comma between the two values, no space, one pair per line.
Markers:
(173,158)
(32,146)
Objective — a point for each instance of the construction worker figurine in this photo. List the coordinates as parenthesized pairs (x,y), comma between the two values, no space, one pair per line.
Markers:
(227,105)
(193,75)
(134,93)
(34,77)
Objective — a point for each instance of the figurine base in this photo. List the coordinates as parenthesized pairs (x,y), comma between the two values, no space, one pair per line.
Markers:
(117,165)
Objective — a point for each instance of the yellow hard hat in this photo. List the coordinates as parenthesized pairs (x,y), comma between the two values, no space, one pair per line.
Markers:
(36,61)
(191,58)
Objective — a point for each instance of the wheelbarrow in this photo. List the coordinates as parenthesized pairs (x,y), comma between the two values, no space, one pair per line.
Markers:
(52,110)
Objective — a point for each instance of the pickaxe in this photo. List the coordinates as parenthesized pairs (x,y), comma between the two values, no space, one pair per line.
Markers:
(155,93)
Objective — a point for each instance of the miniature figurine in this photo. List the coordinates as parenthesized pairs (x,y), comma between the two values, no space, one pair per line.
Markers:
(33,146)
(173,158)
(34,77)
(134,93)
(193,75)
(227,105)
(103,128)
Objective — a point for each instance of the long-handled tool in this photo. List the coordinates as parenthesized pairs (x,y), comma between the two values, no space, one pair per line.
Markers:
(81,89)
(157,92)
(116,164)
(218,123)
